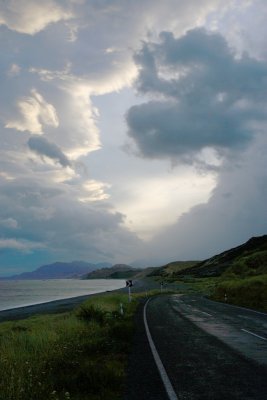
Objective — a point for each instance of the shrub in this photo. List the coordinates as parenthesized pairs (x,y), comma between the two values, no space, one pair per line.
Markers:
(248,292)
(92,313)
(75,355)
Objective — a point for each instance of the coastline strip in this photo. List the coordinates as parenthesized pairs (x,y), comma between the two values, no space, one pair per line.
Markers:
(50,307)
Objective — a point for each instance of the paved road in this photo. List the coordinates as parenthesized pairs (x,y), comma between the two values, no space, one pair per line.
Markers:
(191,335)
(242,329)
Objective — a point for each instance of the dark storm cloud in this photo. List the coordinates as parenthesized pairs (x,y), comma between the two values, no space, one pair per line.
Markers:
(206,96)
(43,147)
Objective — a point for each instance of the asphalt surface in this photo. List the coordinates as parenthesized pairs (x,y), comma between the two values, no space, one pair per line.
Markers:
(143,378)
(242,329)
(200,360)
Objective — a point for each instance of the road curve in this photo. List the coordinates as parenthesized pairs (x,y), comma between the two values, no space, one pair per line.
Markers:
(198,364)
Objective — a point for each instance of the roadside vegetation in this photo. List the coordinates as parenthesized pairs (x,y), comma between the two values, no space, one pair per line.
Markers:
(236,276)
(77,355)
(248,292)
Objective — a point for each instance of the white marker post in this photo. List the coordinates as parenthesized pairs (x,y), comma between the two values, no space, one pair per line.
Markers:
(129,284)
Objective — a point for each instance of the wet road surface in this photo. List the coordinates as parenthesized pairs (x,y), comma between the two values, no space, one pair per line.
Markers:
(243,329)
(205,348)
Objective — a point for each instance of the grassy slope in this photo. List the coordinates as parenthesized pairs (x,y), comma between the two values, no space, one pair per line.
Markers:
(115,272)
(170,270)
(238,275)
(251,256)
(247,292)
(77,355)
(244,281)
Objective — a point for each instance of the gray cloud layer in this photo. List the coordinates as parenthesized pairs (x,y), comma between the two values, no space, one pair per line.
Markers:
(56,57)
(43,147)
(49,214)
(203,95)
(206,96)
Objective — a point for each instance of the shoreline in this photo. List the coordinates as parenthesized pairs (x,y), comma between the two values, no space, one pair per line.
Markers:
(50,307)
(68,304)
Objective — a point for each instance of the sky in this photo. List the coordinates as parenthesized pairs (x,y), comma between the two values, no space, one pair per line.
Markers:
(131,131)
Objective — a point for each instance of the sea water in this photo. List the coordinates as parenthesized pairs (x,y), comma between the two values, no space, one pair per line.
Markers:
(22,293)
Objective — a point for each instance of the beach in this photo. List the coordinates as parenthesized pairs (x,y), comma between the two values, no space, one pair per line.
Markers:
(63,305)
(52,307)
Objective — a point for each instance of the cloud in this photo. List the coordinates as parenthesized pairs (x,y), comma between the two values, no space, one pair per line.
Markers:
(207,96)
(235,212)
(243,23)
(29,16)
(21,245)
(9,223)
(95,191)
(55,66)
(14,70)
(51,214)
(34,113)
(43,147)
(203,96)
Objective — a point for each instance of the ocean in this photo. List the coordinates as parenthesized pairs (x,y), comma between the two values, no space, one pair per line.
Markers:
(22,293)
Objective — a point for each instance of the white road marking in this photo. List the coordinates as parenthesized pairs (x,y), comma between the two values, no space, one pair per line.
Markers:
(196,310)
(162,371)
(203,312)
(254,334)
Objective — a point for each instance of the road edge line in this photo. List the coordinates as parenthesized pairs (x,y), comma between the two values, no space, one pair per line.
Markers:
(162,371)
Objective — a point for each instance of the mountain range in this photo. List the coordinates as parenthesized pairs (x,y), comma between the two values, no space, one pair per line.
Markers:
(61,270)
(248,259)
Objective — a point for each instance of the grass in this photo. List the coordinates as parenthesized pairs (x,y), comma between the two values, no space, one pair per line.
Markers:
(248,292)
(77,355)
(249,265)
(171,270)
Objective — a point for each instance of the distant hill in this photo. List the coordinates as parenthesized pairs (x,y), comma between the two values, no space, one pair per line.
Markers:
(236,276)
(118,271)
(171,269)
(61,270)
(248,259)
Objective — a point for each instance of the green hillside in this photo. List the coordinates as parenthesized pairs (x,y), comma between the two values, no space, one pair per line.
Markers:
(171,270)
(248,259)
(118,271)
(238,275)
